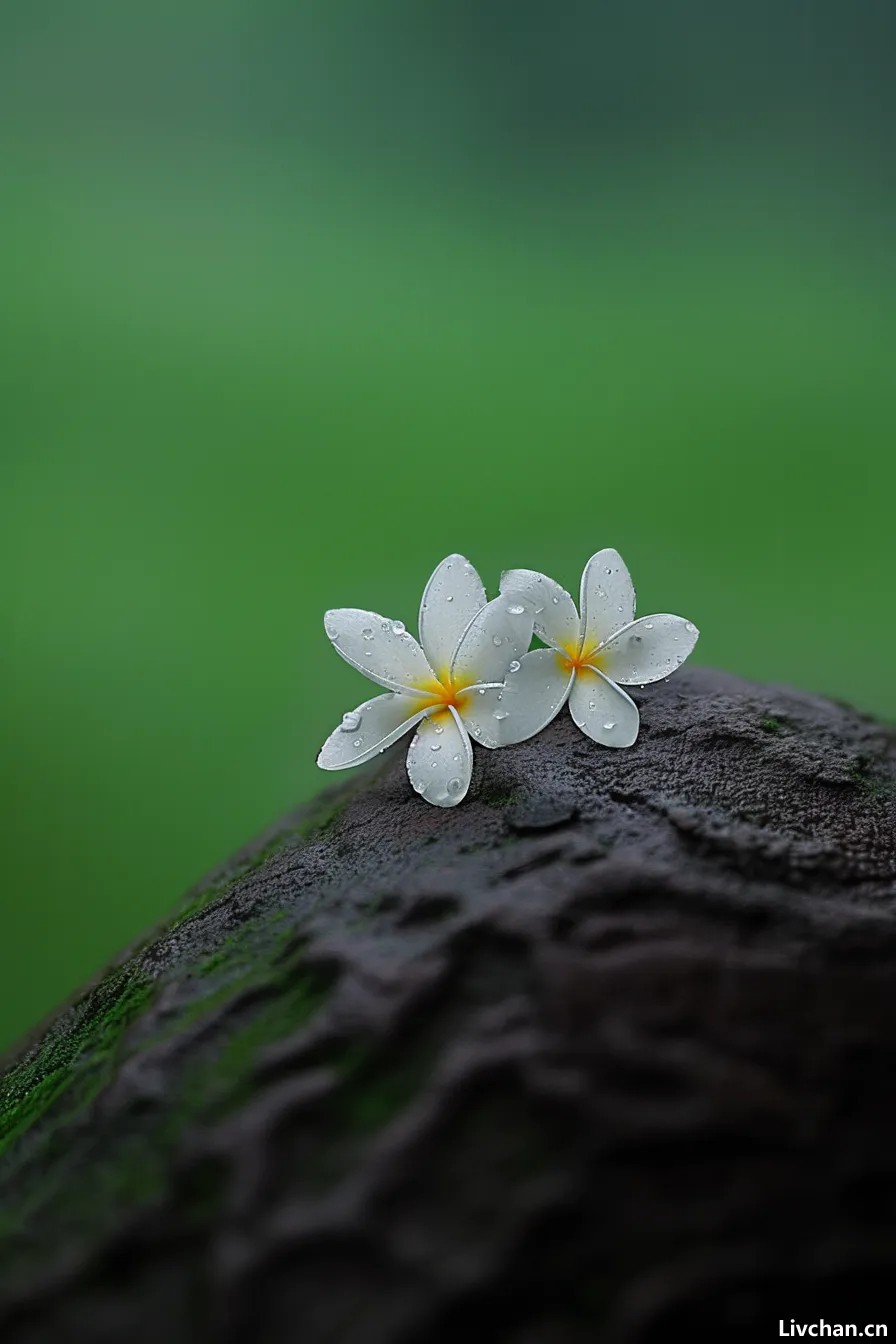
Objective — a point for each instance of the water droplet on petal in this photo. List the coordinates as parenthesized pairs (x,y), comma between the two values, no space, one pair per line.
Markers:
(351,721)
(502,714)
(435,746)
(439,728)
(398,627)
(690,627)
(555,600)
(482,690)
(357,742)
(648,625)
(419,786)
(592,704)
(497,641)
(610,725)
(450,597)
(514,666)
(454,787)
(516,610)
(609,571)
(477,731)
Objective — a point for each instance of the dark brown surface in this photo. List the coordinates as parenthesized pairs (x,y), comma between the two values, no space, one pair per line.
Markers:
(608,1049)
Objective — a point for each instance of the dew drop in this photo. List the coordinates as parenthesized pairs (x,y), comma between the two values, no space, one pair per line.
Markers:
(497,641)
(648,625)
(556,601)
(609,571)
(351,721)
(610,725)
(368,653)
(690,627)
(439,728)
(367,632)
(514,666)
(592,704)
(398,627)
(419,786)
(435,746)
(450,597)
(516,610)
(357,742)
(539,610)
(502,714)
(482,690)
(477,731)
(454,787)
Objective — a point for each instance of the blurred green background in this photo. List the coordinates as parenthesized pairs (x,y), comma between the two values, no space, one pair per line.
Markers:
(296,298)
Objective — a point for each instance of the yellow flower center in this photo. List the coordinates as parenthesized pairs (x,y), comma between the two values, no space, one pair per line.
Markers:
(572,659)
(443,690)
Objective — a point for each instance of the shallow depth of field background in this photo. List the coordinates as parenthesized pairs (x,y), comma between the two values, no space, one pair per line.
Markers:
(297,298)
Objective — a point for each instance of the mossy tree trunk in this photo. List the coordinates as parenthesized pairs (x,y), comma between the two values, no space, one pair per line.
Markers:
(609,1049)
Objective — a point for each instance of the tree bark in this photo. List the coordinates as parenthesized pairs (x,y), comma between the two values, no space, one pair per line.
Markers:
(606,1050)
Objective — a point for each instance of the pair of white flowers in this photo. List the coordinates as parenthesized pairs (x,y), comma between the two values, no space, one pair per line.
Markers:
(471,677)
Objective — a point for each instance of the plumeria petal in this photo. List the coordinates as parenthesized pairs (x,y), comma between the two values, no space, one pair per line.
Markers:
(482,711)
(607,597)
(556,619)
(369,729)
(440,759)
(381,649)
(603,710)
(534,693)
(648,649)
(498,635)
(451,599)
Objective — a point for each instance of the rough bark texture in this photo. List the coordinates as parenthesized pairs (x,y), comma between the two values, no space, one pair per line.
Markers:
(609,1049)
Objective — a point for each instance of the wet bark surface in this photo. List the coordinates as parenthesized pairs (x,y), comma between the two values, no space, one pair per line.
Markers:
(607,1050)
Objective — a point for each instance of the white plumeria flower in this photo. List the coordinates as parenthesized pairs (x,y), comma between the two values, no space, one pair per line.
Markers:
(447,689)
(590,656)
